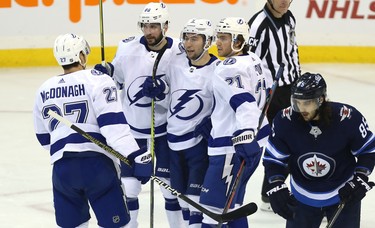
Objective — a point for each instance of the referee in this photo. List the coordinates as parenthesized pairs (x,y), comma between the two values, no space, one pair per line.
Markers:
(272,38)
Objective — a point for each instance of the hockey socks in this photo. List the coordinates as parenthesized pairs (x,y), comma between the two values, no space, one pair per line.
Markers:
(186,215)
(133,206)
(195,219)
(174,214)
(238,223)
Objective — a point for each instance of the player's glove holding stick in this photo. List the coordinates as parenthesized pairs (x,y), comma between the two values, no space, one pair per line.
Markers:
(355,190)
(281,200)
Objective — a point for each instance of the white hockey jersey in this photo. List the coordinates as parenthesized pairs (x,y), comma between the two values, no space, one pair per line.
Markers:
(89,99)
(240,94)
(134,62)
(191,95)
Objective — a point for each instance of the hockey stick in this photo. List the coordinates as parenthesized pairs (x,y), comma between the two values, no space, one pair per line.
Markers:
(261,118)
(101,32)
(152,143)
(89,137)
(336,214)
(243,211)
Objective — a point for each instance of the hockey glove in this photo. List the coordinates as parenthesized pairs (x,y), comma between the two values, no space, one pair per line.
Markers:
(246,147)
(282,202)
(355,189)
(142,165)
(107,69)
(204,128)
(155,88)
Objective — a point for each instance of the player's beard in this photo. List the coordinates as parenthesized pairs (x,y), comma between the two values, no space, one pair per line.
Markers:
(309,116)
(151,41)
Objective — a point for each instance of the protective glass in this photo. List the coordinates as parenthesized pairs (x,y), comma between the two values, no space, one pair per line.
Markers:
(302,105)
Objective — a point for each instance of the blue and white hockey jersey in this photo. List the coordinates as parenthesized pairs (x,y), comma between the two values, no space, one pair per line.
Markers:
(191,95)
(89,99)
(133,63)
(321,158)
(240,94)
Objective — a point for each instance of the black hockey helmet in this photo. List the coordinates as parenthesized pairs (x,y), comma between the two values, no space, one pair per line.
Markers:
(309,86)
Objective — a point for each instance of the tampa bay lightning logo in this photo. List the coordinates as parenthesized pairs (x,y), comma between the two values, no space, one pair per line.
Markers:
(316,165)
(134,92)
(229,61)
(178,108)
(96,72)
(127,40)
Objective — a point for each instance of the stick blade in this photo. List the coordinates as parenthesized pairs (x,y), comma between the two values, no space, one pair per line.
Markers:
(243,211)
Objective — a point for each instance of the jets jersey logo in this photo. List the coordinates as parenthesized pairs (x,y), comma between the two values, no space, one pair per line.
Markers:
(185,98)
(345,112)
(315,131)
(316,165)
(135,95)
(286,113)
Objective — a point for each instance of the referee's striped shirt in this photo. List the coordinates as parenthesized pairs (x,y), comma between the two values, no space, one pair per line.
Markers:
(273,40)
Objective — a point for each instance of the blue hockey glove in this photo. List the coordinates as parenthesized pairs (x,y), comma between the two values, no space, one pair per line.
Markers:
(247,147)
(155,88)
(204,128)
(282,202)
(107,69)
(142,165)
(355,189)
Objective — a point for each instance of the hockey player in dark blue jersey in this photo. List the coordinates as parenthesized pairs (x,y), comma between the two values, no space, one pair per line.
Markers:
(329,151)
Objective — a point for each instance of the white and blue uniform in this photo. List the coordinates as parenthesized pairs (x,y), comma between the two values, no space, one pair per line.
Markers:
(191,95)
(90,100)
(321,158)
(133,63)
(191,100)
(240,94)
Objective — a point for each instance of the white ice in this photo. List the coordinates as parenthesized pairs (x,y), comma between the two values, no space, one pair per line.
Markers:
(25,170)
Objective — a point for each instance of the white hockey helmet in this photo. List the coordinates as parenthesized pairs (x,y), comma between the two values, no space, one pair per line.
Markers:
(154,12)
(234,26)
(198,26)
(68,47)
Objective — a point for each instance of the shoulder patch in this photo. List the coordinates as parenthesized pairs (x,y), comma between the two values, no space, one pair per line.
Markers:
(229,61)
(345,112)
(258,69)
(128,39)
(286,113)
(181,47)
(96,72)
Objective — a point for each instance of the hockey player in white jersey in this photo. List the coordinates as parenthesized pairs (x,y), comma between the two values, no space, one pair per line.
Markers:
(132,64)
(189,82)
(82,171)
(240,93)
